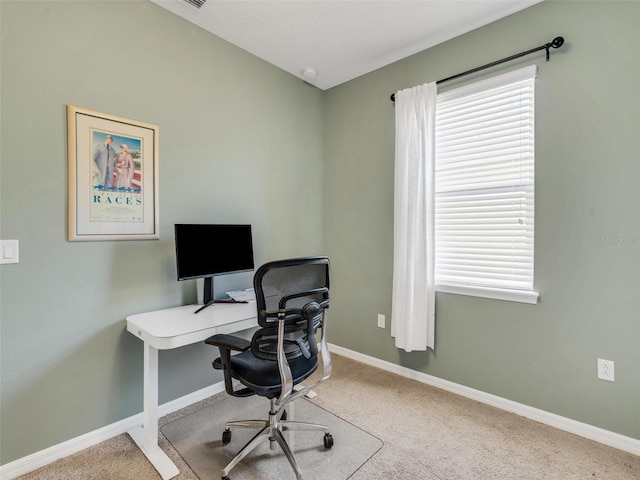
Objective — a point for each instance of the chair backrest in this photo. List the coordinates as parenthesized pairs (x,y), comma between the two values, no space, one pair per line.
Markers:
(296,291)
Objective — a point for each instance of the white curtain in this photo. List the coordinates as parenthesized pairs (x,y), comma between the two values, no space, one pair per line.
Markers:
(413,300)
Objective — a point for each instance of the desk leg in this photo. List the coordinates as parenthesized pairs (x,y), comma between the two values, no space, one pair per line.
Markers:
(147,437)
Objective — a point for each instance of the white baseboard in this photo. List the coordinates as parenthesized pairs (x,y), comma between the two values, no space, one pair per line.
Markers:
(49,455)
(44,457)
(612,439)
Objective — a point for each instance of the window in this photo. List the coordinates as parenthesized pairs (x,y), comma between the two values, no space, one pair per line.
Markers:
(484,188)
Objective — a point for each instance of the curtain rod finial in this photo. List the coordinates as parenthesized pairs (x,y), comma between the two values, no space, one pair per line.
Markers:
(556,43)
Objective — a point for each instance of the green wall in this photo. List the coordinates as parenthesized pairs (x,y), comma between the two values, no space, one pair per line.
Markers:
(587,243)
(236,137)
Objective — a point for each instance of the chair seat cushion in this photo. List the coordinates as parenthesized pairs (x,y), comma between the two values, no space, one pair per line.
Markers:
(263,377)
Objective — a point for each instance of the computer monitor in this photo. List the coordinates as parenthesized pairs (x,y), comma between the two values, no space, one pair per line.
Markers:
(208,250)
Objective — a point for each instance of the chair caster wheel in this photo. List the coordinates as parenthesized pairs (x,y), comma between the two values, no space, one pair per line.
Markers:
(328,440)
(226,438)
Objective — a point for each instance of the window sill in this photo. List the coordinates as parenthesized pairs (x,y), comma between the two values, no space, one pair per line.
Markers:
(521,296)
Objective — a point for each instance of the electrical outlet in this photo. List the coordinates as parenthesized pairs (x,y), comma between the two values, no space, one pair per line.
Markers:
(605,370)
(380,320)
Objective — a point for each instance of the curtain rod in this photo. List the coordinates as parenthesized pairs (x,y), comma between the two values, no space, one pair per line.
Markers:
(556,43)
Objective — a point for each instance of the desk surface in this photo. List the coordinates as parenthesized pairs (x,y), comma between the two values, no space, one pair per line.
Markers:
(175,327)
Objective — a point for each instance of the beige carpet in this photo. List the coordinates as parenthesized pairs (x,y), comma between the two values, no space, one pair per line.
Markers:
(427,434)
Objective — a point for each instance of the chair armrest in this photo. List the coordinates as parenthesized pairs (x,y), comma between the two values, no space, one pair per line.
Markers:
(228,342)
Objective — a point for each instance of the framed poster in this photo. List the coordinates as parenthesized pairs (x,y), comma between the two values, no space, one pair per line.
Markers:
(113,177)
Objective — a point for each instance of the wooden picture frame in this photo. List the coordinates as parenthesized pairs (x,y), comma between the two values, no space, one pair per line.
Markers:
(112,177)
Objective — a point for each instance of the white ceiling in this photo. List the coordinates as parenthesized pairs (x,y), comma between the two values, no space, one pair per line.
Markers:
(340,39)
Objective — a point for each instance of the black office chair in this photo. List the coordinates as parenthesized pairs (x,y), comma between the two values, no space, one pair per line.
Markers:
(292,297)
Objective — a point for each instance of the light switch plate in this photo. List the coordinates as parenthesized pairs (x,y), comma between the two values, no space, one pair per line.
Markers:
(9,251)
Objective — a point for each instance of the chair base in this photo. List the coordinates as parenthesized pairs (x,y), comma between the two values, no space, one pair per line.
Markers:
(271,430)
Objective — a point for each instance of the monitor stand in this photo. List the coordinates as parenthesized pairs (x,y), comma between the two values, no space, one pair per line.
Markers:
(209,293)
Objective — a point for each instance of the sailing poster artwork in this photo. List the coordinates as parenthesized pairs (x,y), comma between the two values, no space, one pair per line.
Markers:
(113,177)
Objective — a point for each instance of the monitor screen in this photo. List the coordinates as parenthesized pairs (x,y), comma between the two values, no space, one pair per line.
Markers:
(208,250)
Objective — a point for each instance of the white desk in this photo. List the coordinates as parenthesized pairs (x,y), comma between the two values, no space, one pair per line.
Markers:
(172,328)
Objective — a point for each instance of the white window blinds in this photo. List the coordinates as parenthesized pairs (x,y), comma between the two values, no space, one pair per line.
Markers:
(484,192)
